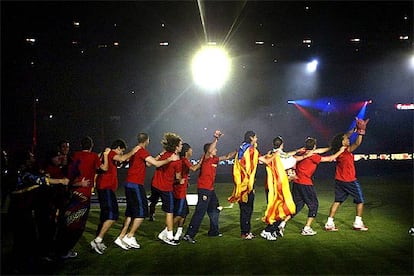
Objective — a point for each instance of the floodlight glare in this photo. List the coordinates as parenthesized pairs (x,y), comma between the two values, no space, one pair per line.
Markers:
(412,61)
(311,66)
(210,68)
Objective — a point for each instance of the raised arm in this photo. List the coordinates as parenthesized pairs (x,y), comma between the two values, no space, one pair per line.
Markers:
(217,134)
(361,126)
(356,144)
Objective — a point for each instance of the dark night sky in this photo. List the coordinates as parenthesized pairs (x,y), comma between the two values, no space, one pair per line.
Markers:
(88,88)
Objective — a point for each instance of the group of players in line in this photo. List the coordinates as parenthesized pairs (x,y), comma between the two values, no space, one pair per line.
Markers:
(85,169)
(170,182)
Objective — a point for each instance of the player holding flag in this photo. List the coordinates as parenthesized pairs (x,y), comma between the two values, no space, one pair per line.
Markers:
(244,172)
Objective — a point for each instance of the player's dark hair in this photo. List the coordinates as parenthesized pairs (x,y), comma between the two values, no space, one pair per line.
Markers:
(277,142)
(248,136)
(119,143)
(61,142)
(184,150)
(206,147)
(142,137)
(336,142)
(86,143)
(170,141)
(310,143)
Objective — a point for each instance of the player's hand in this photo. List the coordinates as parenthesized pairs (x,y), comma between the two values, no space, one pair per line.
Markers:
(84,182)
(218,134)
(361,125)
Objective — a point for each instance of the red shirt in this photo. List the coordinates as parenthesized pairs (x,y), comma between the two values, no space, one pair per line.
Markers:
(84,165)
(207,173)
(54,171)
(164,176)
(345,167)
(109,179)
(137,167)
(306,168)
(180,190)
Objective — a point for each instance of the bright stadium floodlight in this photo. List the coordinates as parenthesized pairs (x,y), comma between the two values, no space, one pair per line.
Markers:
(311,66)
(210,68)
(412,62)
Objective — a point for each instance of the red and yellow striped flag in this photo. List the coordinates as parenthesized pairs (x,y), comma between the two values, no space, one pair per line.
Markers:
(280,202)
(244,172)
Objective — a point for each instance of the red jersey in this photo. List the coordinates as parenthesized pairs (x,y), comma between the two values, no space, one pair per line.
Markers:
(164,176)
(137,167)
(345,167)
(306,168)
(54,171)
(180,190)
(109,179)
(208,173)
(84,165)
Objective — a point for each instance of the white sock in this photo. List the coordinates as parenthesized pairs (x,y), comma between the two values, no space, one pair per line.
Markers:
(330,220)
(178,233)
(98,239)
(164,231)
(306,227)
(358,220)
(282,224)
(170,235)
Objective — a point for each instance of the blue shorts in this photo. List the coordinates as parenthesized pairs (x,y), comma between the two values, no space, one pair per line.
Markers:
(181,207)
(137,203)
(305,194)
(108,205)
(345,189)
(155,196)
(167,199)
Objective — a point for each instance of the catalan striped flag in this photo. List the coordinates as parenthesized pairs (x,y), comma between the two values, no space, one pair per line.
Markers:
(244,172)
(280,202)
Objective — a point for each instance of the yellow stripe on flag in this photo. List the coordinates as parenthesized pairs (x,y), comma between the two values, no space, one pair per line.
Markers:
(280,202)
(244,172)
